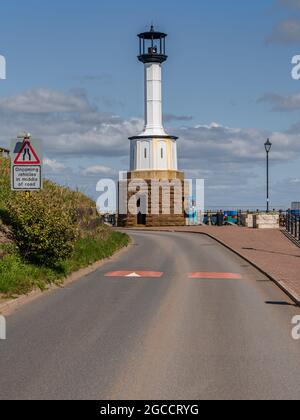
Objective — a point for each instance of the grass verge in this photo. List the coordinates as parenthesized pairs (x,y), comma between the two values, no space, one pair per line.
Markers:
(19,277)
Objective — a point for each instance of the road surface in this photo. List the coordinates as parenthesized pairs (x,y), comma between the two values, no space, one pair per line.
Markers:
(168,337)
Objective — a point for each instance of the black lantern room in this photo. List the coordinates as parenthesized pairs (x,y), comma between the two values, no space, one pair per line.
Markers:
(152,47)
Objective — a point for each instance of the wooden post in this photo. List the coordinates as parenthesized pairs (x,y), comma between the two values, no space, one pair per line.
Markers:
(27,196)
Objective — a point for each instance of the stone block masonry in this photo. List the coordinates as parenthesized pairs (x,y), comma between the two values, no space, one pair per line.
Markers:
(161,199)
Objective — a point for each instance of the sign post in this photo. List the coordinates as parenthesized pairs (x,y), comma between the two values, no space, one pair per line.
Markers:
(27,164)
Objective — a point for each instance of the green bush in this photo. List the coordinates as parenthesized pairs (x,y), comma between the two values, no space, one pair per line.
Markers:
(4,182)
(44,224)
(18,276)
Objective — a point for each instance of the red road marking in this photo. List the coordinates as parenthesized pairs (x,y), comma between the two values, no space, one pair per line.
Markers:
(215,276)
(135,274)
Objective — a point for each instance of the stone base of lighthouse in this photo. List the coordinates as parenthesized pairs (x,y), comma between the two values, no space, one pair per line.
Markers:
(158,208)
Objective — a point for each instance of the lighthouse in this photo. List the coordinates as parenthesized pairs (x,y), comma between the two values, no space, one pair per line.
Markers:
(153,152)
(153,149)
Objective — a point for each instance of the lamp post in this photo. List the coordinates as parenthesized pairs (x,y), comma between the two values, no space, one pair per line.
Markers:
(268,146)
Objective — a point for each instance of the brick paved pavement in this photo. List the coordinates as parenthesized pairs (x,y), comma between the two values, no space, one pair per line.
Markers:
(269,250)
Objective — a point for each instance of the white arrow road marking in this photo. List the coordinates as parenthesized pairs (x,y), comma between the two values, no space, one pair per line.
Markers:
(134,275)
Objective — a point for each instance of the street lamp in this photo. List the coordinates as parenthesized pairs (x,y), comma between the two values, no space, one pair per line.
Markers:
(268,146)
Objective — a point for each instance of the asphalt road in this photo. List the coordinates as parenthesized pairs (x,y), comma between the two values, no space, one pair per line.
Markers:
(156,338)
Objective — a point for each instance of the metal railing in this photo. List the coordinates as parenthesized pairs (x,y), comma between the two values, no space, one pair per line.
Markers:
(293,225)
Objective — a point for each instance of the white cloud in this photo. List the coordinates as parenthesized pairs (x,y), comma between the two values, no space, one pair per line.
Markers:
(46,101)
(227,157)
(93,133)
(215,145)
(68,123)
(209,126)
(286,31)
(99,170)
(282,103)
(289,4)
(170,118)
(54,165)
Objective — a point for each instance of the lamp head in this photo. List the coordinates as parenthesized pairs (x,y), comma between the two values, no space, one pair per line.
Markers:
(152,46)
(268,146)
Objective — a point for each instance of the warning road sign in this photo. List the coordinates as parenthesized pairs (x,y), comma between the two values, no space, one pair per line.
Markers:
(27,164)
(27,155)
(26,178)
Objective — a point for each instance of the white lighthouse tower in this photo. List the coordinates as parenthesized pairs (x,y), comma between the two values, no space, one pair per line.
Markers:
(153,149)
(153,153)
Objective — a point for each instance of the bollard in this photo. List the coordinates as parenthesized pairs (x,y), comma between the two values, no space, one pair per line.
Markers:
(209,218)
(2,328)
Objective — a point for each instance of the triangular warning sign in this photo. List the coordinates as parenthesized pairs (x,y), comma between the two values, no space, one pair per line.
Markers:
(27,155)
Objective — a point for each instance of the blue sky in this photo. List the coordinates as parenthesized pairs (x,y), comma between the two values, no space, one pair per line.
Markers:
(229,64)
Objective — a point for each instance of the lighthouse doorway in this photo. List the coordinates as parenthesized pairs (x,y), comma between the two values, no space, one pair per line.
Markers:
(141,219)
(141,216)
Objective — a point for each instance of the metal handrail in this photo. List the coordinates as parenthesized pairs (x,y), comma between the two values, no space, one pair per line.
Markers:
(293,225)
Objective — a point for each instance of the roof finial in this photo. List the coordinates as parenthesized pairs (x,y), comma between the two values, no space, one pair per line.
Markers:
(152,27)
